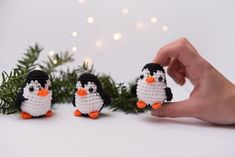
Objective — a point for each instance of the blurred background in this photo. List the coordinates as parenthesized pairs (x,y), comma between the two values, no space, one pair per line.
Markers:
(118,36)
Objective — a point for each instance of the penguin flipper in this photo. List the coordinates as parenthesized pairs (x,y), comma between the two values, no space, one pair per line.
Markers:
(73,101)
(53,100)
(19,99)
(169,94)
(134,90)
(106,98)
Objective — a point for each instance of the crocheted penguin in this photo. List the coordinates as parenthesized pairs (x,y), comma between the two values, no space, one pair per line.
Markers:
(152,87)
(89,98)
(35,97)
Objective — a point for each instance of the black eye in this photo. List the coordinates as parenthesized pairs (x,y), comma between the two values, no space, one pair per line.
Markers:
(31,89)
(160,79)
(141,76)
(49,88)
(91,90)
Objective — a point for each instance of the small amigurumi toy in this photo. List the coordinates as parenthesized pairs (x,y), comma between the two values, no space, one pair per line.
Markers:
(152,88)
(35,97)
(89,97)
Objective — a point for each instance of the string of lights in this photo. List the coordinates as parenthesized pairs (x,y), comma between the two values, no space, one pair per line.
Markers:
(117,35)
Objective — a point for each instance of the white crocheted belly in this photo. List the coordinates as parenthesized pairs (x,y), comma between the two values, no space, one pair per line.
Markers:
(37,106)
(151,93)
(89,103)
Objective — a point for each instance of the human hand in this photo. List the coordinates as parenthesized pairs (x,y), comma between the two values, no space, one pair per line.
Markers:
(213,96)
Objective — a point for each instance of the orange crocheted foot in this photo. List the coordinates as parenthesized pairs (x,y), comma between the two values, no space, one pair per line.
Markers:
(156,106)
(94,115)
(25,115)
(77,113)
(49,113)
(141,104)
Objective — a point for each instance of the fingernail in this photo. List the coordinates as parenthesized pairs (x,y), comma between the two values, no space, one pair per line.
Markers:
(179,82)
(157,113)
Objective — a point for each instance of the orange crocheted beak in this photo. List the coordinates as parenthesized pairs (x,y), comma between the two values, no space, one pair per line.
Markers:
(81,92)
(43,92)
(150,80)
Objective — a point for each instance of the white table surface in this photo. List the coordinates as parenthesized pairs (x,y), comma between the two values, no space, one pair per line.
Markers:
(208,24)
(113,134)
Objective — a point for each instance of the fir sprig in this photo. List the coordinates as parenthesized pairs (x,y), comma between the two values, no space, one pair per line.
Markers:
(30,57)
(123,96)
(63,86)
(63,82)
(52,63)
(11,83)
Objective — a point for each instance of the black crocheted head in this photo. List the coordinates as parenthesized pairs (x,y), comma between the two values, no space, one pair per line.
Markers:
(38,75)
(88,77)
(152,67)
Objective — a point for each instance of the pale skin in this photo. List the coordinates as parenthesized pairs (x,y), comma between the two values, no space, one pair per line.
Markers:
(213,96)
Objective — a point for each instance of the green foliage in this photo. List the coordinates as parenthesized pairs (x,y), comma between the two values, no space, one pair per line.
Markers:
(109,85)
(30,57)
(123,97)
(63,82)
(11,83)
(52,63)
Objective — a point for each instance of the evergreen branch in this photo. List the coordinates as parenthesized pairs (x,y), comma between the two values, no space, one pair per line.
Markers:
(27,62)
(123,98)
(109,85)
(52,63)
(63,85)
(85,68)
(12,82)
(126,100)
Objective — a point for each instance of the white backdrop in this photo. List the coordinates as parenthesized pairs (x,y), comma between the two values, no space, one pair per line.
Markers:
(209,25)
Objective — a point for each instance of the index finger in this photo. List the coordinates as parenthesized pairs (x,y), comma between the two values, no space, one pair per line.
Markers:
(180,49)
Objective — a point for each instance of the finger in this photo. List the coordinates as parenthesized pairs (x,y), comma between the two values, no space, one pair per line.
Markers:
(164,61)
(176,71)
(175,109)
(180,49)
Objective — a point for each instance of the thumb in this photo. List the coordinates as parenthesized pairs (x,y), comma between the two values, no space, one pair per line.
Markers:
(183,108)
